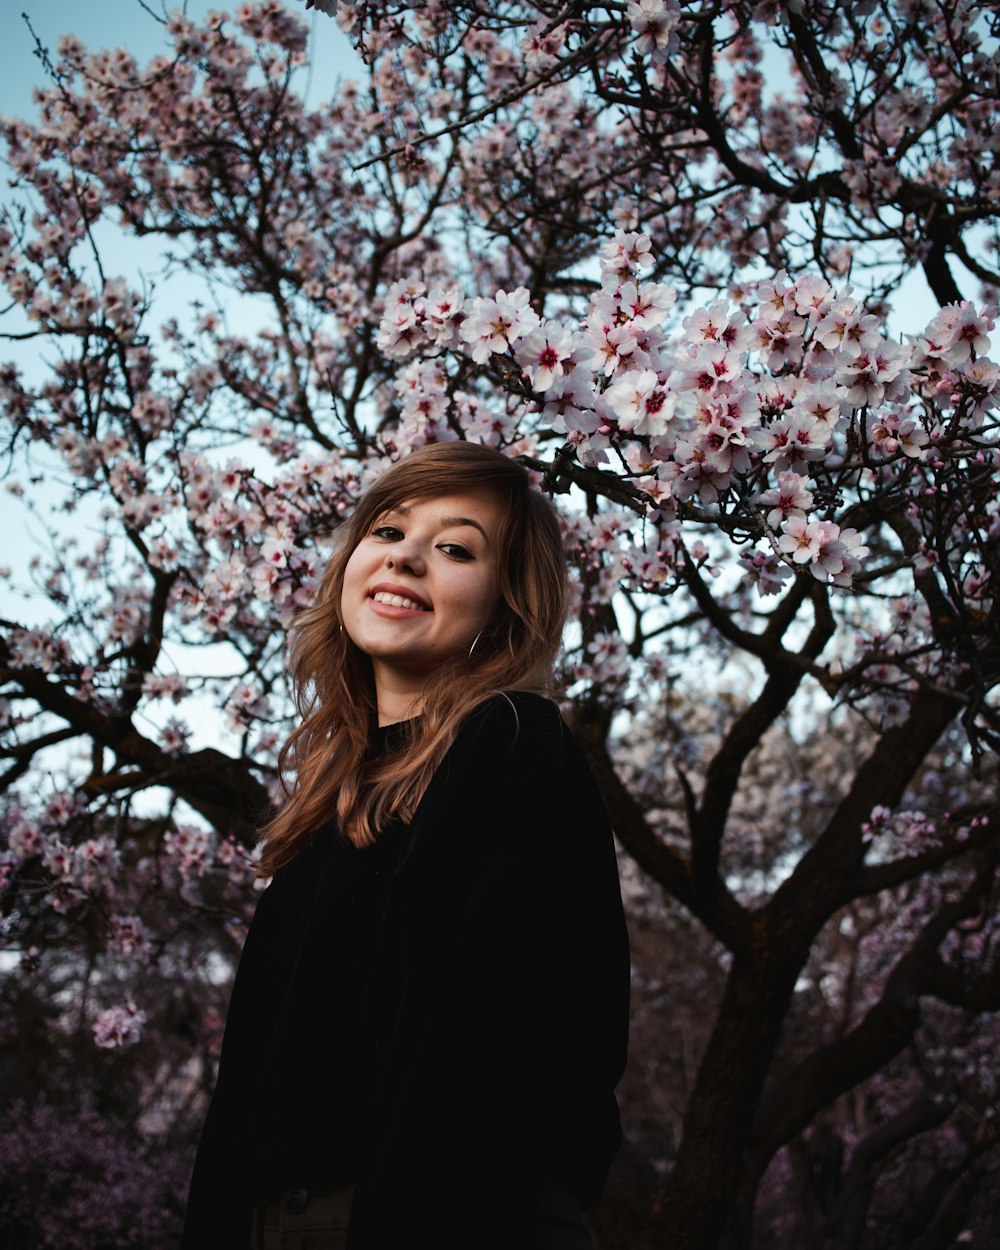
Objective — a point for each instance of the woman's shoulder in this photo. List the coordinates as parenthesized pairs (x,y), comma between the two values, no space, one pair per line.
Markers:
(517,723)
(524,734)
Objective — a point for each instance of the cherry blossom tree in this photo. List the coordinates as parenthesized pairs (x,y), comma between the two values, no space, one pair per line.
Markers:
(664,254)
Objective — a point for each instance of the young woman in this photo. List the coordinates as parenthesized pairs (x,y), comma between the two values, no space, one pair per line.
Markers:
(430,1012)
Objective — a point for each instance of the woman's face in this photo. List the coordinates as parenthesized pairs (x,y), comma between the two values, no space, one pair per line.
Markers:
(420,586)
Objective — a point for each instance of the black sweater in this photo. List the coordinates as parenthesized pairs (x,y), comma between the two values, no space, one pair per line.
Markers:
(440,1018)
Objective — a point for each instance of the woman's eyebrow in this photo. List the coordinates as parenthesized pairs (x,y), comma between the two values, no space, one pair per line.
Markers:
(464,520)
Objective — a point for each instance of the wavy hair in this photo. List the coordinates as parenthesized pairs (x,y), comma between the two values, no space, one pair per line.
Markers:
(325,767)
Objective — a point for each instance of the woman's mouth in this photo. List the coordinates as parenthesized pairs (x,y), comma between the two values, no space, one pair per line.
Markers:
(399,601)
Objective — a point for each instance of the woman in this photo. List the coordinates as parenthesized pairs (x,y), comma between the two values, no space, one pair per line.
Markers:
(430,1012)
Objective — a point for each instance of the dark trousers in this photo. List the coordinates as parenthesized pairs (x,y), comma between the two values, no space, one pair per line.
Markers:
(303,1219)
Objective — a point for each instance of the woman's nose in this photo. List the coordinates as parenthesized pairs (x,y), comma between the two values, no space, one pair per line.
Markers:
(406,558)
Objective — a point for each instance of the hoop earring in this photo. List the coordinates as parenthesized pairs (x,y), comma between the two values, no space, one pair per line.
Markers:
(475,640)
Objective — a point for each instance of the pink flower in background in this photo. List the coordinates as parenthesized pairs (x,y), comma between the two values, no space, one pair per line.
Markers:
(544,354)
(958,332)
(791,498)
(654,22)
(801,539)
(890,433)
(129,936)
(765,571)
(848,328)
(641,403)
(609,345)
(119,1026)
(866,377)
(493,325)
(645,305)
(444,310)
(623,256)
(792,441)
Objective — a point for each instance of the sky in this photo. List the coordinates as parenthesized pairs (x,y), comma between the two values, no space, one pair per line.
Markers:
(138,26)
(102,24)
(134,24)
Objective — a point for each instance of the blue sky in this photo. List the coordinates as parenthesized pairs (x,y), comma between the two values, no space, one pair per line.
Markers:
(114,23)
(103,24)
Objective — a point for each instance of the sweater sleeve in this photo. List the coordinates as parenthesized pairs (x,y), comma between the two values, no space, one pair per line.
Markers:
(225,1182)
(511,1026)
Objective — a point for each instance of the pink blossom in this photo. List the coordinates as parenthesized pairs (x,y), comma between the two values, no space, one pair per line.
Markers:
(129,936)
(712,367)
(493,325)
(119,1026)
(779,340)
(609,345)
(792,498)
(58,858)
(654,22)
(544,354)
(190,847)
(608,660)
(777,297)
(694,472)
(645,305)
(890,433)
(801,539)
(246,703)
(958,332)
(274,551)
(399,329)
(540,47)
(718,323)
(765,571)
(838,555)
(95,863)
(24,838)
(847,328)
(813,297)
(820,403)
(175,737)
(979,379)
(867,377)
(444,310)
(116,300)
(624,256)
(37,647)
(641,403)
(724,443)
(793,440)
(569,402)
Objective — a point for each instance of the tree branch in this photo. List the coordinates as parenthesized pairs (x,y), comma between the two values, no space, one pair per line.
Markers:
(716,908)
(222,789)
(887,1028)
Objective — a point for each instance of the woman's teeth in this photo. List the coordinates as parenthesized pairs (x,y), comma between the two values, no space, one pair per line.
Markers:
(398,601)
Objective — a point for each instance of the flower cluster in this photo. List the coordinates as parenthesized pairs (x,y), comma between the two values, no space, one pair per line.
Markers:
(749,409)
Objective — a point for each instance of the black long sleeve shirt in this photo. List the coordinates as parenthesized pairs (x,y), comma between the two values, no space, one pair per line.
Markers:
(439,1018)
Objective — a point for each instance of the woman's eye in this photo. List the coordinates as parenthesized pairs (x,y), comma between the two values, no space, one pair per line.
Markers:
(456,551)
(391,533)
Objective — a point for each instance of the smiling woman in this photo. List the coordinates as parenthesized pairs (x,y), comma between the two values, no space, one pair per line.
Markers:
(419,588)
(430,1013)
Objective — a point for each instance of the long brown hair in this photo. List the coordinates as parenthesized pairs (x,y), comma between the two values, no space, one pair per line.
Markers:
(334,692)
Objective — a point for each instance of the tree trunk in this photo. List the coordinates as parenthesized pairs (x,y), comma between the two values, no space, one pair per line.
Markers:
(701,1192)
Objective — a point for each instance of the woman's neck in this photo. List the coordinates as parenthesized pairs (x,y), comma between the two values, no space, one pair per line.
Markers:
(396,704)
